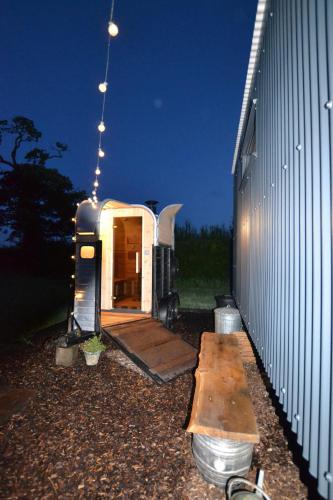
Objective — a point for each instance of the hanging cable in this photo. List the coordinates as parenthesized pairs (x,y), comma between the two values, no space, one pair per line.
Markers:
(103,87)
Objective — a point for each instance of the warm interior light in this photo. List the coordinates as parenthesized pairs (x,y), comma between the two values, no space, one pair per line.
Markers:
(113,29)
(87,252)
(101,127)
(102,87)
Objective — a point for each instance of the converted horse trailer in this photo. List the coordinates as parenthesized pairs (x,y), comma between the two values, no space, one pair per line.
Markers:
(124,262)
(124,285)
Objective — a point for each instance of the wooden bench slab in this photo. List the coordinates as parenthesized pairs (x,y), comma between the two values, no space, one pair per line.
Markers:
(222,405)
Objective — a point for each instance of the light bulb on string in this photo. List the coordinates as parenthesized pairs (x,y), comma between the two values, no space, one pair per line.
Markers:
(113,29)
(97,171)
(101,126)
(93,192)
(102,87)
(96,183)
(101,153)
(95,199)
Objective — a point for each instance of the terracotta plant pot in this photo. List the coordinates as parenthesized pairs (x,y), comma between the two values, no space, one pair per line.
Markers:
(92,357)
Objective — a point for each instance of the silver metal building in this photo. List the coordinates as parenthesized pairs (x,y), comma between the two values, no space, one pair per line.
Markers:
(283,216)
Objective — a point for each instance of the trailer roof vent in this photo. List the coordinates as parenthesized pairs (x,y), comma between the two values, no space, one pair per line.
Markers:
(152,205)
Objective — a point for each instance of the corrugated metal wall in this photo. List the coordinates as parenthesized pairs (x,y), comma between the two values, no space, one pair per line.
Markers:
(283,223)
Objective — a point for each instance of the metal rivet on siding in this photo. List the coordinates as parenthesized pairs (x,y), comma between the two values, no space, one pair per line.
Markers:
(272,184)
(259,70)
(285,166)
(283,390)
(299,147)
(271,14)
(262,347)
(264,197)
(297,417)
(328,476)
(263,51)
(329,104)
(270,365)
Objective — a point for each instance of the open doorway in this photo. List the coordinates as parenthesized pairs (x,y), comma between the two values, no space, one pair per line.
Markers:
(127,262)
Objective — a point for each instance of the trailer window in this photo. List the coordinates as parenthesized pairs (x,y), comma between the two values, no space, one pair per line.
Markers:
(87,252)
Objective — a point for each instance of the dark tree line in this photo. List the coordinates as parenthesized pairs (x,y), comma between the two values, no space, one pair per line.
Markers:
(204,253)
(36,202)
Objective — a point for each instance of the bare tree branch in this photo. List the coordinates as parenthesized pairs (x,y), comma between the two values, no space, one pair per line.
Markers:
(6,162)
(17,144)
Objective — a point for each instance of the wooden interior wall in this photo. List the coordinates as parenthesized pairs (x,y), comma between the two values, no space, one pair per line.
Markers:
(106,234)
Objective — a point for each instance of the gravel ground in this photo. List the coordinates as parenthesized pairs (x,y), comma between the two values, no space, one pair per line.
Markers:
(108,431)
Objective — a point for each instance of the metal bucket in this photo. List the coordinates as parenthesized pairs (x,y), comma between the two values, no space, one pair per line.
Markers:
(227,320)
(219,459)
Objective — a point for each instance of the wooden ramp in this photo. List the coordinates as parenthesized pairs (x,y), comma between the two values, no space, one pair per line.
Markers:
(159,352)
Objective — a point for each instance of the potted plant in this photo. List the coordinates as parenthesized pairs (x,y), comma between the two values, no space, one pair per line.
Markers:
(92,349)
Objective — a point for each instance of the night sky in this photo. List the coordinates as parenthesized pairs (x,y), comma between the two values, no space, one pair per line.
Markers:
(176,80)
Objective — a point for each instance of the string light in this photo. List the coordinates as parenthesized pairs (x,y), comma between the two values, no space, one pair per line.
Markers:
(113,31)
(102,87)
(101,127)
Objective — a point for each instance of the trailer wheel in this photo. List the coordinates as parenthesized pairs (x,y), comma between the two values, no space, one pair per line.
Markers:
(168,310)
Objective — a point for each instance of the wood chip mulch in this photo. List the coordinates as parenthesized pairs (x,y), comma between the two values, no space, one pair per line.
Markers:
(108,431)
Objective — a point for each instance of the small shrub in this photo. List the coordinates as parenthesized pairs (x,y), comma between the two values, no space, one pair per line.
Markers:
(94,344)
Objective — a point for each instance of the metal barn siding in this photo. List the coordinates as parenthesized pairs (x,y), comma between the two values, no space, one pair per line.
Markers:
(283,219)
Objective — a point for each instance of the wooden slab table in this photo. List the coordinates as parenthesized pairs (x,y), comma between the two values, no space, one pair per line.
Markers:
(222,406)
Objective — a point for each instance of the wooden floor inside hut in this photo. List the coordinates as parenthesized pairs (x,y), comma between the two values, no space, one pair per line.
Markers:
(110,318)
(159,352)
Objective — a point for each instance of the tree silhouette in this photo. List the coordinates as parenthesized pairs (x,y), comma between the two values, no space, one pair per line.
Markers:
(36,202)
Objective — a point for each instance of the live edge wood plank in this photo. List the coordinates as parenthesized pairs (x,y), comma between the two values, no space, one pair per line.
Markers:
(222,405)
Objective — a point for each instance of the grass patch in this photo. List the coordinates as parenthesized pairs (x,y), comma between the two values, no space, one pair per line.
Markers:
(30,303)
(200,293)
